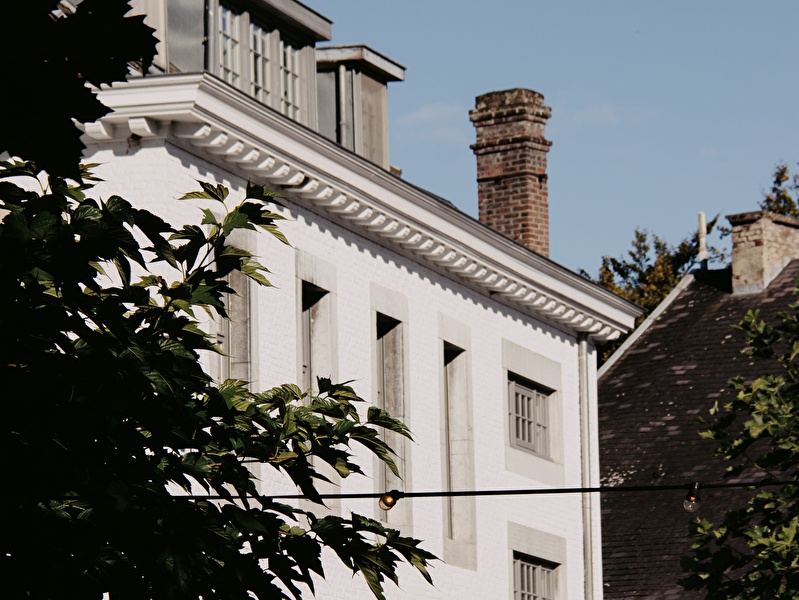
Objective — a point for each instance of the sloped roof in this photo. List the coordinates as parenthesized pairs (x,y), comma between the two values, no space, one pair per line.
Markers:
(649,400)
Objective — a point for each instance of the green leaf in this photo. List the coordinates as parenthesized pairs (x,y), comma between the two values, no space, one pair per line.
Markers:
(276,232)
(208,217)
(261,192)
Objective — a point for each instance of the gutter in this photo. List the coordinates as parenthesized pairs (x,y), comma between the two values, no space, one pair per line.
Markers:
(586,480)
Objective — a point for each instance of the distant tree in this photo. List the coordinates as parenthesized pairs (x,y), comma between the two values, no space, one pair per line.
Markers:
(652,267)
(753,554)
(112,433)
(784,189)
(49,58)
(648,273)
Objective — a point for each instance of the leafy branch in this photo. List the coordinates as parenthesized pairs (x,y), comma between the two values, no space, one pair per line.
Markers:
(104,386)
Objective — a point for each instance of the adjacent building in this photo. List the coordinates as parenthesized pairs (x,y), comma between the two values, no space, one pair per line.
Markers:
(652,391)
(463,328)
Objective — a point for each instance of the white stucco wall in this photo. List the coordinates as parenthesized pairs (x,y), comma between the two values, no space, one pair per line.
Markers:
(153,176)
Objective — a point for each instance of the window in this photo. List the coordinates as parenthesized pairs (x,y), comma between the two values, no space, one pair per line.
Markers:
(456,432)
(529,412)
(229,43)
(451,392)
(532,388)
(289,80)
(533,579)
(233,334)
(258,59)
(390,392)
(459,514)
(315,335)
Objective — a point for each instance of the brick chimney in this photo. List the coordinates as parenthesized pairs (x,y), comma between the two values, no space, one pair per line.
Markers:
(762,244)
(511,155)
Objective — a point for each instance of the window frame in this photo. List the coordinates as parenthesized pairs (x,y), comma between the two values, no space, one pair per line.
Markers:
(393,305)
(534,411)
(314,324)
(261,59)
(231,73)
(390,390)
(234,334)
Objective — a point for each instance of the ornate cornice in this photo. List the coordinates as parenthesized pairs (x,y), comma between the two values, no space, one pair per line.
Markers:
(215,120)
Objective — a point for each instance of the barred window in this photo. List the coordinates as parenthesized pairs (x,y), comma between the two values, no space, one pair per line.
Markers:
(529,413)
(533,579)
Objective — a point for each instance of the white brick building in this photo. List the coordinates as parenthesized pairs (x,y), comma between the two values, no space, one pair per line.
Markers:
(453,327)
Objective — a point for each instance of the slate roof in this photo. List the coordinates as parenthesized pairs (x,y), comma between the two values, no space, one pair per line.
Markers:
(649,400)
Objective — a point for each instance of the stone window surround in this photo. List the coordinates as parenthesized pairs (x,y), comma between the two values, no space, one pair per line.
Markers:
(547,373)
(460,547)
(393,304)
(321,274)
(541,545)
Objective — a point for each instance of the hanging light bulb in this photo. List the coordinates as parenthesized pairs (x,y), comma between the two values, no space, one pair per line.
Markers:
(691,502)
(389,499)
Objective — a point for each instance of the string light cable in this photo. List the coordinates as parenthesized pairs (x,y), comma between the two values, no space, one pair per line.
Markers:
(387,500)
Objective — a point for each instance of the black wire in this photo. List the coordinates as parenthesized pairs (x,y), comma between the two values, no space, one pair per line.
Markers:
(509,492)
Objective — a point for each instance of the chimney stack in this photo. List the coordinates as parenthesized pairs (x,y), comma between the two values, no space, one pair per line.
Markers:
(511,155)
(762,244)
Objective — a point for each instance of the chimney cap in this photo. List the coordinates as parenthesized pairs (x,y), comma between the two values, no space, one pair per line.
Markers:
(753,216)
(516,101)
(509,97)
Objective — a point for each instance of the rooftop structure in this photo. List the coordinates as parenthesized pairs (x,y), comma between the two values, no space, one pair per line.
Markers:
(655,387)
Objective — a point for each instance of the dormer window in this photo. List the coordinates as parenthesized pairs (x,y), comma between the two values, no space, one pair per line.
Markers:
(246,51)
(267,52)
(353,101)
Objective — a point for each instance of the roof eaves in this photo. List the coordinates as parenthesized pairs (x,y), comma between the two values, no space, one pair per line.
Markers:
(643,327)
(202,112)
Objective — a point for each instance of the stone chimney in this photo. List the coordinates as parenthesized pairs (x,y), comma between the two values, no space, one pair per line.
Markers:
(762,244)
(511,155)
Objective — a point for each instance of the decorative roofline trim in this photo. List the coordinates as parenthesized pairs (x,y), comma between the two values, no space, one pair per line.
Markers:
(205,113)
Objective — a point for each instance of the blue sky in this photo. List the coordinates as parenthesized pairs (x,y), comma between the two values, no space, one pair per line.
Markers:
(659,109)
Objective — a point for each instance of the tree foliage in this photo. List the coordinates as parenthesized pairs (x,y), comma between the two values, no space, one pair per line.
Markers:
(112,433)
(782,197)
(753,554)
(50,57)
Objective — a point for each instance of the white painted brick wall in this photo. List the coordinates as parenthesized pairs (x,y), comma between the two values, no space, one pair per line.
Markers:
(154,177)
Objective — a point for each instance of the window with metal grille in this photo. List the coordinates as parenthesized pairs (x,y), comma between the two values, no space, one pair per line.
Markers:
(529,414)
(533,579)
